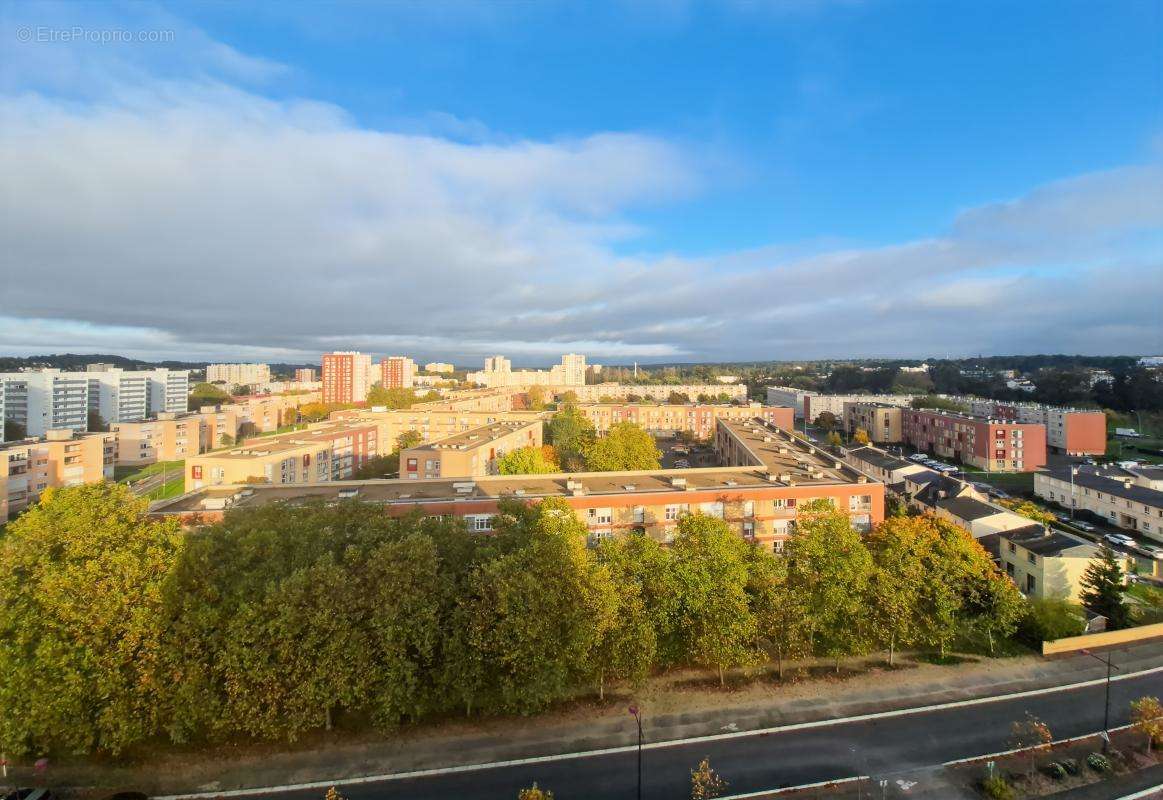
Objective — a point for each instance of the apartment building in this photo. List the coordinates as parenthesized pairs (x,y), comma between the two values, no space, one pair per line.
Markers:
(43,400)
(431,424)
(757,503)
(439,367)
(167,437)
(326,452)
(499,372)
(991,445)
(809,404)
(1120,497)
(61,457)
(239,374)
(306,375)
(473,453)
(397,372)
(1073,431)
(1043,563)
(347,376)
(264,413)
(502,399)
(667,419)
(881,421)
(661,392)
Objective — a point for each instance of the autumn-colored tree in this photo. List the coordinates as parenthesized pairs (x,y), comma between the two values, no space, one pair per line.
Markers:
(81,578)
(1032,735)
(706,783)
(861,436)
(715,621)
(534,793)
(1147,717)
(626,446)
(834,439)
(1028,510)
(333,794)
(525,461)
(408,439)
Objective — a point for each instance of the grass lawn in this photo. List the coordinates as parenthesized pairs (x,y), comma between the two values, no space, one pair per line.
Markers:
(133,474)
(284,429)
(1022,482)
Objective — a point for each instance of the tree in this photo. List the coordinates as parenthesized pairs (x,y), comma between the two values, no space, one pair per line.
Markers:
(627,648)
(226,440)
(530,619)
(569,397)
(96,422)
(206,394)
(995,607)
(396,397)
(643,562)
(780,616)
(625,446)
(333,794)
(81,577)
(678,398)
(1030,734)
(377,467)
(830,568)
(570,433)
(834,439)
(1102,589)
(534,793)
(956,566)
(408,439)
(706,783)
(1029,510)
(1049,618)
(861,436)
(525,461)
(537,398)
(827,421)
(715,620)
(900,548)
(1147,717)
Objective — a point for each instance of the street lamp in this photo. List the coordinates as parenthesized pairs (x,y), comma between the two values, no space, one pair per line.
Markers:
(634,712)
(1073,502)
(1106,716)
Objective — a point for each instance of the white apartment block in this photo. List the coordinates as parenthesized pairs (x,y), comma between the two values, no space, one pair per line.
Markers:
(48,399)
(499,373)
(1124,498)
(238,374)
(439,367)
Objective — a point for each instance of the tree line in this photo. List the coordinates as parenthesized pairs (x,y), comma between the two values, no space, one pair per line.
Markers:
(116,628)
(574,446)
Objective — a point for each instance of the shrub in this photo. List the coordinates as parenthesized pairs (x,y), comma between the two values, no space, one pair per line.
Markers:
(1070,765)
(1051,618)
(1098,762)
(997,788)
(1055,770)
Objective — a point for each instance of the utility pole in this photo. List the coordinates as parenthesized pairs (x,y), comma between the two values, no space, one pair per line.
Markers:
(634,712)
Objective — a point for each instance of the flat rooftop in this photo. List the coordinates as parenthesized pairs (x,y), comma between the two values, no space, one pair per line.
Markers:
(874,455)
(285,442)
(782,453)
(493,487)
(477,437)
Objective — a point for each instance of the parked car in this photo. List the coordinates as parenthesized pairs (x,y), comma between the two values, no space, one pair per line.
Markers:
(1062,516)
(1085,526)
(919,457)
(1154,551)
(948,469)
(30,794)
(682,463)
(1119,539)
(1000,494)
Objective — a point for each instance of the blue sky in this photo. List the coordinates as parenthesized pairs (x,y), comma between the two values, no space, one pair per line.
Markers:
(659,181)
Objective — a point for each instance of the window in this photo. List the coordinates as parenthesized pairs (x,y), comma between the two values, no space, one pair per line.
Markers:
(749,508)
(639,513)
(1031,584)
(600,516)
(1013,547)
(672,512)
(480,522)
(1033,559)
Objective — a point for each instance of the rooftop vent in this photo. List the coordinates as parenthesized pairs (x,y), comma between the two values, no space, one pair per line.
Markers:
(465,487)
(731,483)
(678,482)
(347,494)
(519,492)
(629,487)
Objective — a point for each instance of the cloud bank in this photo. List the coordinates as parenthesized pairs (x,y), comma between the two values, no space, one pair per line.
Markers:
(178,211)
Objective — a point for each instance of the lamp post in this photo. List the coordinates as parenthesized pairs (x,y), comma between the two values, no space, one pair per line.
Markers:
(1073,502)
(634,712)
(1106,716)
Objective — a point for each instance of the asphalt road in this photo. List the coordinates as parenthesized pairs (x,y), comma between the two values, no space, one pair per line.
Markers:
(880,748)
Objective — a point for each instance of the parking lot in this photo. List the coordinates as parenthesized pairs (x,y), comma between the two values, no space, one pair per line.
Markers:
(677,455)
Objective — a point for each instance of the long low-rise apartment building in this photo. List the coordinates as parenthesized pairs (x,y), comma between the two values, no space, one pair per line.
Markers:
(61,457)
(431,425)
(695,418)
(322,453)
(1120,497)
(168,437)
(759,500)
(1073,431)
(809,404)
(472,453)
(264,413)
(661,392)
(989,444)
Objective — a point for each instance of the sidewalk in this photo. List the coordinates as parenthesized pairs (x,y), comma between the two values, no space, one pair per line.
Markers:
(1119,787)
(670,712)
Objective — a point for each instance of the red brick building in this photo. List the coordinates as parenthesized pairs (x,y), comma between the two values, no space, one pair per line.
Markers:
(990,444)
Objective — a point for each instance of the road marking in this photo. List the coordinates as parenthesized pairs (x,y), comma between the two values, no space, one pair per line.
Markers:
(630,748)
(802,787)
(1148,792)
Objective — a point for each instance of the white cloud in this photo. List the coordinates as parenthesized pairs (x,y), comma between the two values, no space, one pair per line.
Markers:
(171,210)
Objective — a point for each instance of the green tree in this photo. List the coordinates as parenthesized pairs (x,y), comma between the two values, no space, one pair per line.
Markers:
(1049,618)
(995,607)
(643,562)
(827,421)
(226,440)
(715,620)
(956,567)
(207,394)
(628,646)
(901,548)
(537,398)
(678,398)
(626,446)
(395,397)
(525,461)
(570,433)
(834,439)
(831,569)
(1102,589)
(780,616)
(377,467)
(531,618)
(81,577)
(408,439)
